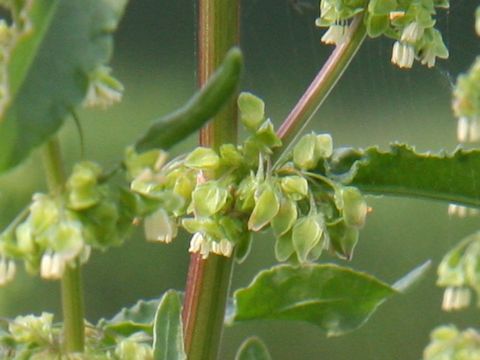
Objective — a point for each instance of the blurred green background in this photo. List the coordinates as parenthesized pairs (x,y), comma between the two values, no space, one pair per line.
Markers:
(374,103)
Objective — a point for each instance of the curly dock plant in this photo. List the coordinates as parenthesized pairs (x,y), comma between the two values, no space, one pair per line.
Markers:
(299,187)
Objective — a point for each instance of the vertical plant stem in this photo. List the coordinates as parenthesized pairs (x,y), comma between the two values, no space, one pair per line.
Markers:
(321,86)
(208,281)
(71,284)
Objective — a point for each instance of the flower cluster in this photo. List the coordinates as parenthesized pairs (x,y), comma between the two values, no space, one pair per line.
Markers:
(60,229)
(447,342)
(103,89)
(409,22)
(10,36)
(223,196)
(38,338)
(458,272)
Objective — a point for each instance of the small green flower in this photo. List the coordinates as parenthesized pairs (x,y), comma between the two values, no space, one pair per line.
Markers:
(296,187)
(209,198)
(160,227)
(306,233)
(354,207)
(203,158)
(267,205)
(285,218)
(252,110)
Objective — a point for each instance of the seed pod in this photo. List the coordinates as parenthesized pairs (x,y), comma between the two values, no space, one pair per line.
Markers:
(209,198)
(285,218)
(284,247)
(306,233)
(354,207)
(252,110)
(201,107)
(343,239)
(203,158)
(296,187)
(267,206)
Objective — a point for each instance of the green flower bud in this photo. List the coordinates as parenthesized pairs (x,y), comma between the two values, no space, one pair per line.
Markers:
(343,239)
(160,227)
(306,233)
(267,206)
(32,329)
(245,197)
(82,186)
(296,187)
(100,225)
(44,213)
(285,218)
(25,241)
(230,155)
(203,158)
(184,186)
(324,146)
(137,163)
(305,154)
(284,247)
(267,137)
(130,349)
(103,89)
(451,271)
(66,238)
(252,110)
(207,226)
(209,198)
(354,207)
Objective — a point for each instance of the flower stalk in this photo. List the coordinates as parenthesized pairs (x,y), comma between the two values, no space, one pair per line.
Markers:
(71,285)
(321,86)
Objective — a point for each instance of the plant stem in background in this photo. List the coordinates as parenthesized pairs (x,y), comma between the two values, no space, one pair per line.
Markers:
(208,279)
(72,295)
(321,86)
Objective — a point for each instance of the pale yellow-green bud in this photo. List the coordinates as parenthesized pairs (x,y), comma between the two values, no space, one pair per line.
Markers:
(285,218)
(209,198)
(296,187)
(305,154)
(284,247)
(203,158)
(267,206)
(252,110)
(354,207)
(307,232)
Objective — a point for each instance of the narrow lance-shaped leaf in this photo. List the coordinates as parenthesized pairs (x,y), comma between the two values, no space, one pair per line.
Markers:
(174,127)
(44,78)
(168,329)
(336,299)
(403,172)
(253,349)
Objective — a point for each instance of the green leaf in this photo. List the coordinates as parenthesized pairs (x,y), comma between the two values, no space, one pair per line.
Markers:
(401,171)
(48,69)
(130,320)
(253,349)
(174,127)
(168,329)
(336,299)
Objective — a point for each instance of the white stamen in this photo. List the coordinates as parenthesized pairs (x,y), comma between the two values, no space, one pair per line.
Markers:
(336,34)
(456,298)
(412,33)
(403,55)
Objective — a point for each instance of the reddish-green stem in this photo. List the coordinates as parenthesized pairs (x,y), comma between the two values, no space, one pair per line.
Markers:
(321,86)
(208,279)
